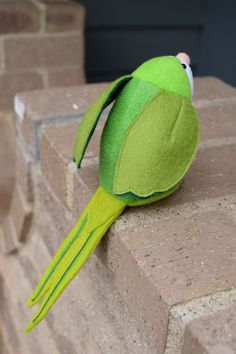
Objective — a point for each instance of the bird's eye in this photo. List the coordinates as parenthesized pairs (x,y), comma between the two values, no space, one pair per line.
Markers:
(188,71)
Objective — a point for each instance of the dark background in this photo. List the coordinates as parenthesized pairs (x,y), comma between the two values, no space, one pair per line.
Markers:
(121,34)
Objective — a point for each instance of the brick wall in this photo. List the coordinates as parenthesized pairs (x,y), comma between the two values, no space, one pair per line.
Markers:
(41,46)
(163,278)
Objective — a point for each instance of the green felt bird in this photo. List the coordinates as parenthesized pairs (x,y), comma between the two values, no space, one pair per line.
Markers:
(148,144)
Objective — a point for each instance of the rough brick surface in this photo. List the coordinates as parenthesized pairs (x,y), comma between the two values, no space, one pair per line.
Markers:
(43,52)
(18,16)
(41,46)
(8,237)
(64,16)
(66,77)
(212,334)
(211,89)
(7,160)
(21,213)
(54,165)
(182,258)
(23,173)
(11,83)
(55,105)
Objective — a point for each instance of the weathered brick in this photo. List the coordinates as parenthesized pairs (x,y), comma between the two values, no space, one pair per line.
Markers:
(36,107)
(214,334)
(18,16)
(218,122)
(173,261)
(28,269)
(85,183)
(55,223)
(66,77)
(211,88)
(52,165)
(9,241)
(23,173)
(64,16)
(10,326)
(20,213)
(43,51)
(61,138)
(7,160)
(11,83)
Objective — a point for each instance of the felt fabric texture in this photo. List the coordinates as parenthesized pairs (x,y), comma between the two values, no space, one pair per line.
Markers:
(166,73)
(155,198)
(131,100)
(90,119)
(98,216)
(159,147)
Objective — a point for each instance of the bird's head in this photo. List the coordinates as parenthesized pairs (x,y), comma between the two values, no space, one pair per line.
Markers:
(168,73)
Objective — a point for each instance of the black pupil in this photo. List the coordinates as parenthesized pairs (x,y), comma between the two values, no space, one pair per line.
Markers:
(183,65)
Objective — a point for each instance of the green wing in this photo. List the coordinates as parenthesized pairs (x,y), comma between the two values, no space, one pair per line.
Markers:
(90,119)
(159,147)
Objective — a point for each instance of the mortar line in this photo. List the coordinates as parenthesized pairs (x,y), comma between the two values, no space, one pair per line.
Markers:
(42,35)
(42,16)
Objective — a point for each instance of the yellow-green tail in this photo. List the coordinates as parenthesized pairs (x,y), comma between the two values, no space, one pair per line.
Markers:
(100,213)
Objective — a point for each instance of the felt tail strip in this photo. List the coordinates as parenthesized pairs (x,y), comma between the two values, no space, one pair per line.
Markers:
(98,216)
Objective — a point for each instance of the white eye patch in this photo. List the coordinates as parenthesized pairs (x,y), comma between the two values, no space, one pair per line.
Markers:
(189,73)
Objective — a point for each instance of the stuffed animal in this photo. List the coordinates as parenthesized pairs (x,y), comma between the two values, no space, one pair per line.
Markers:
(148,144)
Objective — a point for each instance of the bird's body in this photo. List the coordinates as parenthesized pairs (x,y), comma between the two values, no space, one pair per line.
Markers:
(148,143)
(132,99)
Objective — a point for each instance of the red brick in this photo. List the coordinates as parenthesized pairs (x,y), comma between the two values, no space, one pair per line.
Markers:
(18,16)
(43,51)
(64,16)
(215,334)
(66,77)
(11,83)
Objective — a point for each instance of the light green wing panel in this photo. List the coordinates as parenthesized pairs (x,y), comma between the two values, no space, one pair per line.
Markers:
(90,119)
(159,147)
